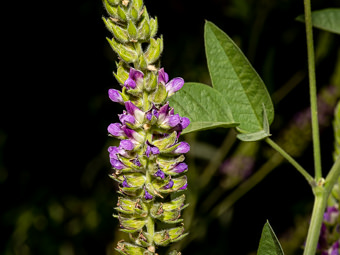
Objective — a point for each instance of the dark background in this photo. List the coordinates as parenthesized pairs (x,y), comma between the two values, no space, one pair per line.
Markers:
(56,197)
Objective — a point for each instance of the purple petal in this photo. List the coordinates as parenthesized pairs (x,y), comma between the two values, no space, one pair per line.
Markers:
(331,214)
(117,164)
(163,77)
(174,85)
(185,122)
(169,185)
(149,115)
(136,74)
(335,248)
(136,162)
(148,151)
(183,147)
(147,195)
(154,150)
(174,120)
(115,129)
(113,150)
(115,96)
(160,173)
(125,184)
(130,83)
(126,145)
(179,168)
(125,117)
(135,79)
(184,186)
(135,111)
(133,134)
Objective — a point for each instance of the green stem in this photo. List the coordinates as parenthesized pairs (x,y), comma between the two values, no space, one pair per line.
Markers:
(316,221)
(291,160)
(321,196)
(312,90)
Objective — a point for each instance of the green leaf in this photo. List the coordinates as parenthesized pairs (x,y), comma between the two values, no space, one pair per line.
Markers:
(203,105)
(234,77)
(251,137)
(326,19)
(269,244)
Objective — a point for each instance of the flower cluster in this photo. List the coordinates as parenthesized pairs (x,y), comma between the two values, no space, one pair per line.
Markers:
(149,163)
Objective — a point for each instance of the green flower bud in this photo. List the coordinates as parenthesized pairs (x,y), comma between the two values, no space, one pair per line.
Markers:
(131,224)
(122,74)
(135,207)
(165,237)
(138,5)
(153,27)
(153,52)
(133,13)
(111,10)
(126,248)
(113,2)
(119,33)
(125,52)
(160,95)
(132,30)
(141,238)
(121,14)
(165,142)
(151,81)
(142,62)
(160,184)
(144,30)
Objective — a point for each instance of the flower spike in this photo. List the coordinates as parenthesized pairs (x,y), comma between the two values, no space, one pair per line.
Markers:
(148,163)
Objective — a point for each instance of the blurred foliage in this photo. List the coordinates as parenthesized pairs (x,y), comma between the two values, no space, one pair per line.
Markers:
(56,195)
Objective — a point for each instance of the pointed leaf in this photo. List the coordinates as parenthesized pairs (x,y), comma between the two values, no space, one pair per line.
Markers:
(203,105)
(269,244)
(234,77)
(326,19)
(256,136)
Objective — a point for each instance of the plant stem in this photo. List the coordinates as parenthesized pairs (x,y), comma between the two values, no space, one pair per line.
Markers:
(291,160)
(321,195)
(316,221)
(312,90)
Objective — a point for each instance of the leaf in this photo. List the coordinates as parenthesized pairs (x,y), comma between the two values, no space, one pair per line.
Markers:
(203,105)
(269,244)
(260,134)
(326,19)
(234,77)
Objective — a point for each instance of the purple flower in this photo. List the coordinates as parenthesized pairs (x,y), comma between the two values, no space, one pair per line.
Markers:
(171,87)
(150,149)
(135,79)
(183,147)
(126,145)
(147,195)
(115,129)
(334,250)
(130,133)
(331,214)
(117,164)
(184,186)
(169,185)
(179,168)
(125,117)
(115,96)
(163,77)
(125,184)
(136,162)
(135,111)
(160,173)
